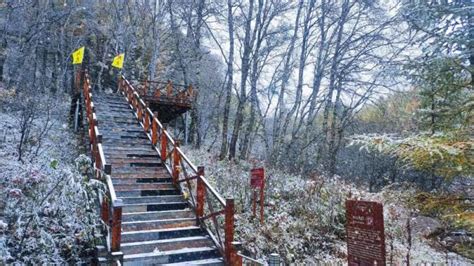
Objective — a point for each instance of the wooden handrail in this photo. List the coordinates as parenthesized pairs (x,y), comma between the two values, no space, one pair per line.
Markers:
(111,207)
(158,82)
(168,148)
(204,180)
(172,92)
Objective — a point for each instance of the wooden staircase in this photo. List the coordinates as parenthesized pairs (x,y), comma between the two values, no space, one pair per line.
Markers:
(150,220)
(158,225)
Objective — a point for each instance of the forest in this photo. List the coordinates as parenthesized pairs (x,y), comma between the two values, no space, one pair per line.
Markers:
(337,99)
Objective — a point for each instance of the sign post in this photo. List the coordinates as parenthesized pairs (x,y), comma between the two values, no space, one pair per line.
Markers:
(365,233)
(257,180)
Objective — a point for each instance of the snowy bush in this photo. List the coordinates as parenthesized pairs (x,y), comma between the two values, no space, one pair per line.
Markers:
(304,217)
(50,213)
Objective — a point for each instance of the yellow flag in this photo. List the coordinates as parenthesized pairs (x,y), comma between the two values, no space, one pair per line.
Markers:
(118,61)
(78,55)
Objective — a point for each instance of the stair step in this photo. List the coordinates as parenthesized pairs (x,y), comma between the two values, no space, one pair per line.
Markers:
(157,234)
(118,135)
(138,169)
(130,150)
(149,155)
(145,164)
(126,142)
(125,160)
(138,193)
(157,215)
(157,224)
(153,186)
(112,117)
(121,146)
(146,154)
(174,256)
(207,262)
(115,101)
(118,123)
(135,163)
(112,102)
(155,206)
(151,199)
(123,131)
(161,245)
(156,174)
(130,181)
(115,109)
(138,172)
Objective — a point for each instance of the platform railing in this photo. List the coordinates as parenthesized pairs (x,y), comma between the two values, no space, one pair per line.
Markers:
(111,206)
(209,205)
(168,92)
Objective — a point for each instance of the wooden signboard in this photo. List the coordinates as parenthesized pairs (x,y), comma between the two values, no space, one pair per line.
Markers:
(365,233)
(257,181)
(256,177)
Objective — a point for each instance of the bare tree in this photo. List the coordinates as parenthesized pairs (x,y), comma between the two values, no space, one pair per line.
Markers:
(230,80)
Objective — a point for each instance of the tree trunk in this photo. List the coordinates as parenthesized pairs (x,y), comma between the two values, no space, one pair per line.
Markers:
(253,83)
(325,149)
(230,80)
(243,82)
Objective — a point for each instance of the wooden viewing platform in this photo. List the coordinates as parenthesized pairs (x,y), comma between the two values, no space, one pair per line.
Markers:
(167,99)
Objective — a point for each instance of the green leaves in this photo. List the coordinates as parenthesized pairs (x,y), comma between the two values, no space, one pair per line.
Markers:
(446,155)
(54,164)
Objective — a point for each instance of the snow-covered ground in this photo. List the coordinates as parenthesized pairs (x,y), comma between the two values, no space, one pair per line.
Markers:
(49,216)
(304,217)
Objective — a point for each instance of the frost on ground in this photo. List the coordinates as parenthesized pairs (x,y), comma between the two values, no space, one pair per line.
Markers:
(305,217)
(49,215)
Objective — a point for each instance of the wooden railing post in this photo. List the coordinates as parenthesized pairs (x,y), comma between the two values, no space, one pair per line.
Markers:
(146,124)
(139,111)
(134,102)
(154,129)
(201,193)
(229,231)
(164,143)
(129,94)
(104,210)
(176,162)
(116,228)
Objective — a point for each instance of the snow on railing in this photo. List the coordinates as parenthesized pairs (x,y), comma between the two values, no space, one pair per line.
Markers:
(183,171)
